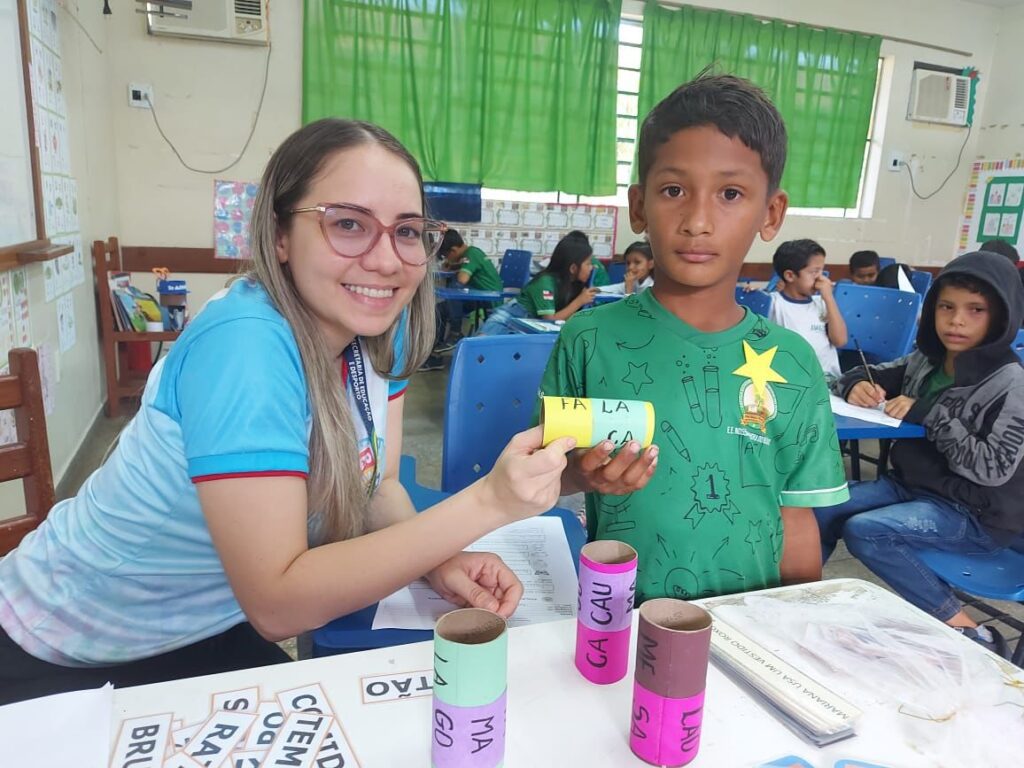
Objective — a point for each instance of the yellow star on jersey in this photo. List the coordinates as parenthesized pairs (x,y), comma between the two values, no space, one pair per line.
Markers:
(758,368)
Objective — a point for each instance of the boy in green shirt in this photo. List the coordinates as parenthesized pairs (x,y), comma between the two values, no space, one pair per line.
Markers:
(745,442)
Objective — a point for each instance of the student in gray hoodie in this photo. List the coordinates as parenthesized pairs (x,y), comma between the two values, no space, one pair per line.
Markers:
(960,489)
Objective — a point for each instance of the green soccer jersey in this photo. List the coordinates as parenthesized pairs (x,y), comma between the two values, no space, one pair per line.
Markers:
(600,273)
(538,297)
(743,424)
(482,274)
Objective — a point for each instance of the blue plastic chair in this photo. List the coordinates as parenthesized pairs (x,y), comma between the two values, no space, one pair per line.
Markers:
(492,393)
(757,302)
(885,261)
(1018,344)
(997,577)
(882,320)
(921,280)
(617,272)
(515,268)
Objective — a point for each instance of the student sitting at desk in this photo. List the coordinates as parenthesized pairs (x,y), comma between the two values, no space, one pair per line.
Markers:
(864,267)
(474,270)
(255,495)
(960,489)
(639,270)
(556,293)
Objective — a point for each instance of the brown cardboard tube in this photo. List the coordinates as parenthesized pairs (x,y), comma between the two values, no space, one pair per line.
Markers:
(608,552)
(672,648)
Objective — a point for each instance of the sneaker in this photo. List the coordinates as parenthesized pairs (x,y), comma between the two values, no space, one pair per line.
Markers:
(987,637)
(443,347)
(433,363)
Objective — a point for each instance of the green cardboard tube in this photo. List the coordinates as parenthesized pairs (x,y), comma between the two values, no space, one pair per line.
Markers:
(470,657)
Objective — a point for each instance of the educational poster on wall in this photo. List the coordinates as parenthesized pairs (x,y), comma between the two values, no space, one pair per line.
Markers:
(537,227)
(19,298)
(8,429)
(66,322)
(232,209)
(49,376)
(994,206)
(7,330)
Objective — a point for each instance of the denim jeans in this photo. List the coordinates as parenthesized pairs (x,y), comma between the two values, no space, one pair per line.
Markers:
(885,526)
(498,323)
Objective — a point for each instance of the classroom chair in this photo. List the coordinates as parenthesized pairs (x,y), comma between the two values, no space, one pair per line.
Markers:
(757,302)
(885,261)
(882,320)
(515,268)
(617,272)
(492,393)
(1018,344)
(28,457)
(921,280)
(996,577)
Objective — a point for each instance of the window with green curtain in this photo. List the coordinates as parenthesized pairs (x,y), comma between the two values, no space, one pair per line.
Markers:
(821,80)
(514,95)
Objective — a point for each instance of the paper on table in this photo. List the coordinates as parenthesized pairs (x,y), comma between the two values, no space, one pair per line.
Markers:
(842,408)
(535,549)
(58,731)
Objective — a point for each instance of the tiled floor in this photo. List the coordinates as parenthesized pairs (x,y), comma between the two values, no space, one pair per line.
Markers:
(424,422)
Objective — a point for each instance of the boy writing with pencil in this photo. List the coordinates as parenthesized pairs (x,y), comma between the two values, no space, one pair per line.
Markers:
(744,440)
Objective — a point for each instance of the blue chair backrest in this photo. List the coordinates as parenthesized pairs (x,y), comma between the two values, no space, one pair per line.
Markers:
(885,261)
(758,302)
(882,320)
(515,268)
(617,272)
(492,393)
(1018,344)
(773,283)
(921,280)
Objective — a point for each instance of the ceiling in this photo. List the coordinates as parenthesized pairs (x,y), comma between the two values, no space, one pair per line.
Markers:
(998,3)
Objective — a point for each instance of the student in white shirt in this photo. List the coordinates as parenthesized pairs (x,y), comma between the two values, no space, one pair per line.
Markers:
(639,270)
(804,302)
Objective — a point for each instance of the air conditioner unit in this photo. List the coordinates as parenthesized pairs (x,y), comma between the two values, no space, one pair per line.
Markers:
(939,97)
(232,21)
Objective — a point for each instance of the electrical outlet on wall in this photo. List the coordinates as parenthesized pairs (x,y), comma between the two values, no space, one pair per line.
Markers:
(895,160)
(140,95)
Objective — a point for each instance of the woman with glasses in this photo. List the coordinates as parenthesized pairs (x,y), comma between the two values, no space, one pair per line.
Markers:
(255,495)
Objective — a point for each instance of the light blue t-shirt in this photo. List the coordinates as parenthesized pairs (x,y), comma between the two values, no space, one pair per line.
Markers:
(126,569)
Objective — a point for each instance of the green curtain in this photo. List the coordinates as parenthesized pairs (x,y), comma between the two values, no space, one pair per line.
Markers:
(821,80)
(514,95)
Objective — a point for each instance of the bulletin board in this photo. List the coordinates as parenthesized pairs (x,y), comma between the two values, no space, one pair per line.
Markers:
(994,206)
(537,227)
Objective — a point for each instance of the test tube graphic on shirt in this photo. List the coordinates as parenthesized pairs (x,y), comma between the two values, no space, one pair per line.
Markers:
(714,399)
(691,396)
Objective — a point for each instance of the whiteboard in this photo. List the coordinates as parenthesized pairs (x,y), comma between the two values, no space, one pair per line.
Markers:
(17,200)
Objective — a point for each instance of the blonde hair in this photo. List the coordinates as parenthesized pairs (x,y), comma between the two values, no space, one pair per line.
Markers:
(338,497)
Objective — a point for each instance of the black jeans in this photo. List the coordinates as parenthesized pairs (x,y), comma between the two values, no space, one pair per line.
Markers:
(23,676)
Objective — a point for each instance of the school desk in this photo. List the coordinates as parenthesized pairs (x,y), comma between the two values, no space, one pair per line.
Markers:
(854,430)
(472,294)
(556,718)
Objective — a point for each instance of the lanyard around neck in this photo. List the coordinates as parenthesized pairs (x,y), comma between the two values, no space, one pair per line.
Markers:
(356,374)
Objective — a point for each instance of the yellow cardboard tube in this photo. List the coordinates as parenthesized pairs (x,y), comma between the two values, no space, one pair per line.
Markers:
(592,420)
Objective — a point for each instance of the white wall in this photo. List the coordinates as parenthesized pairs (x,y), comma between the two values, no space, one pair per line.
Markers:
(78,395)
(1002,120)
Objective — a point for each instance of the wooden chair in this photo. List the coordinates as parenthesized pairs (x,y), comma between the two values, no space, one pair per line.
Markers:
(29,457)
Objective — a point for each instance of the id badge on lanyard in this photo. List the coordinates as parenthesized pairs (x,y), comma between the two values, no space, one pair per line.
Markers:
(356,371)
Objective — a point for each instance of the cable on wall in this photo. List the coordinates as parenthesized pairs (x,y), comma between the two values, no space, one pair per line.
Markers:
(936,191)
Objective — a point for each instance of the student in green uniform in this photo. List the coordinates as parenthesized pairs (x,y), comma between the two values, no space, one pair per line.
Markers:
(556,293)
(473,270)
(744,440)
(598,274)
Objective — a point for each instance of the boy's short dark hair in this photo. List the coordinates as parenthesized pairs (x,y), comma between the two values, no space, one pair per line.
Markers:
(735,106)
(1001,247)
(452,239)
(863,260)
(996,307)
(794,255)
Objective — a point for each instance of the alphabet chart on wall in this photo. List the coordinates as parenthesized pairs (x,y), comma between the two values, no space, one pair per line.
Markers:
(537,227)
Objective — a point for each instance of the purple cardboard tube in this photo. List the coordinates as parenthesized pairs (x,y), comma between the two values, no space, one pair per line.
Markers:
(468,737)
(605,610)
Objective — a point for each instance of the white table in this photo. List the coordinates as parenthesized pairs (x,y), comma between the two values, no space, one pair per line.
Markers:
(556,718)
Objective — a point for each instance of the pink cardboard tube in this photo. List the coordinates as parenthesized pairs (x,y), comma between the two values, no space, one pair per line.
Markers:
(605,610)
(602,657)
(468,737)
(665,731)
